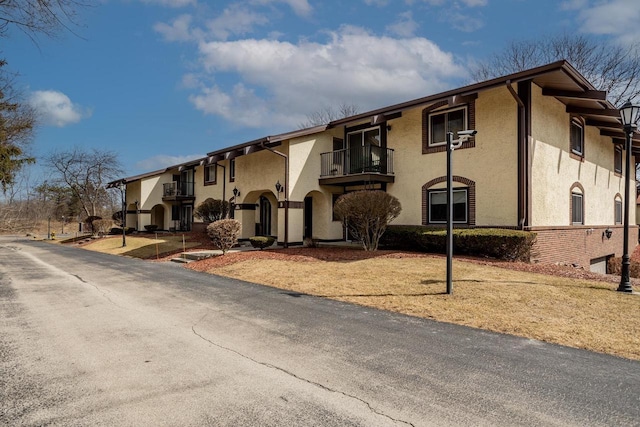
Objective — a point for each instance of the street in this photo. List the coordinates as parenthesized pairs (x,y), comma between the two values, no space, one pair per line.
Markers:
(95,339)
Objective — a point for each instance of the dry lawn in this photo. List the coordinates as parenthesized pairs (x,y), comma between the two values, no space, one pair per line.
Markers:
(575,312)
(141,247)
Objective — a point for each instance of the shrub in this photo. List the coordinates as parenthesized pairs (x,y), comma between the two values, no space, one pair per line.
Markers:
(512,245)
(151,228)
(261,242)
(117,217)
(89,221)
(212,210)
(310,242)
(102,226)
(224,234)
(367,214)
(614,266)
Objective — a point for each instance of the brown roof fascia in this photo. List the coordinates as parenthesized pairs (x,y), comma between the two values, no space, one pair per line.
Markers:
(564,66)
(238,147)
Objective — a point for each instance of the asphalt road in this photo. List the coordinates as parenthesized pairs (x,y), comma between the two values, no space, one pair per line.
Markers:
(94,339)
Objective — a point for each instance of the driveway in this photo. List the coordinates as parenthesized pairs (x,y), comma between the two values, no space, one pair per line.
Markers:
(94,339)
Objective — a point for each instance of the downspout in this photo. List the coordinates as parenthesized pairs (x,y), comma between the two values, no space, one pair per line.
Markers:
(522,158)
(286,192)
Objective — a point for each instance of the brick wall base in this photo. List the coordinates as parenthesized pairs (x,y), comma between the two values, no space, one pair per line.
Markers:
(579,245)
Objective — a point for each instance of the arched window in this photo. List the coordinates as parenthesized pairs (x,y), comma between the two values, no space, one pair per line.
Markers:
(577,204)
(617,203)
(434,201)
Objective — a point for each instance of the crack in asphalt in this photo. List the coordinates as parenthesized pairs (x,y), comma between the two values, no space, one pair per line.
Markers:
(316,384)
(104,292)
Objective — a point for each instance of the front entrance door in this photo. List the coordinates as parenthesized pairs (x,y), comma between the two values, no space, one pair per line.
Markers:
(265,216)
(308,217)
(187,218)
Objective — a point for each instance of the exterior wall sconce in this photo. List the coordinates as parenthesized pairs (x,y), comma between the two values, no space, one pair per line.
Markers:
(607,233)
(236,192)
(279,187)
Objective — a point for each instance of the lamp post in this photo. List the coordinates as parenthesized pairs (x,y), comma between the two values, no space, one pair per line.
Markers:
(62,232)
(123,188)
(452,144)
(629,114)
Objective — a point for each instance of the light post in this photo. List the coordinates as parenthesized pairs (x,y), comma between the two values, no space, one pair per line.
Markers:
(629,114)
(49,228)
(123,188)
(452,144)
(62,232)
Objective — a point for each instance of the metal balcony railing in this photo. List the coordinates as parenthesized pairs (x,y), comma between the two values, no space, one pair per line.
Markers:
(178,189)
(359,160)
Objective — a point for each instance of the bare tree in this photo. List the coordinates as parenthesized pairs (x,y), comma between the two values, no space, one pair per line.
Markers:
(367,213)
(34,17)
(612,68)
(85,173)
(328,114)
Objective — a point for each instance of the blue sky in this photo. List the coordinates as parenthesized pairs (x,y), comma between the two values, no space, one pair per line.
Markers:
(164,81)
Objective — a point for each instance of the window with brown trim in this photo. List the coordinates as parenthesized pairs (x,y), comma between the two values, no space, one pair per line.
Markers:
(618,210)
(232,170)
(437,122)
(438,206)
(577,208)
(617,160)
(434,201)
(210,174)
(577,137)
(440,123)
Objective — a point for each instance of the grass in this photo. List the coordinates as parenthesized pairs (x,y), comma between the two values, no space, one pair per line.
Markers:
(141,247)
(577,313)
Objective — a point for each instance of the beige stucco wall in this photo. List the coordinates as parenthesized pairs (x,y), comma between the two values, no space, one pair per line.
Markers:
(554,170)
(491,163)
(305,169)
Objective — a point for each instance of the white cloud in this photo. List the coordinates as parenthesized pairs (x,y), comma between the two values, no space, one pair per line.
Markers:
(162,161)
(171,3)
(178,30)
(405,26)
(56,109)
(461,21)
(573,4)
(282,82)
(618,18)
(376,2)
(475,3)
(235,20)
(300,7)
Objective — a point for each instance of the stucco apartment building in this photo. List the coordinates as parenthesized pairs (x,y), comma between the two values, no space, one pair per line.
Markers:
(547,158)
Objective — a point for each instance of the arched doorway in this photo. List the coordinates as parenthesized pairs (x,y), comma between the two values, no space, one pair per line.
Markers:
(157,216)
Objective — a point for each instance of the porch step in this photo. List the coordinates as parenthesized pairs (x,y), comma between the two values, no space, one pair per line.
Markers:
(187,257)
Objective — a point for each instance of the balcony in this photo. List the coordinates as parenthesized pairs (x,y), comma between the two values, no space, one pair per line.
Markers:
(174,191)
(357,166)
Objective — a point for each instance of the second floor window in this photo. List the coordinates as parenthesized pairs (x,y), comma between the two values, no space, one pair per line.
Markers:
(577,137)
(447,121)
(617,160)
(232,170)
(210,174)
